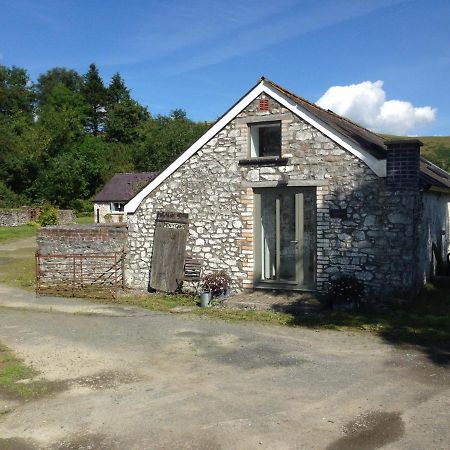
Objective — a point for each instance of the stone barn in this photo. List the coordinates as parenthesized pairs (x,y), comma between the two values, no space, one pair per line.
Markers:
(283,194)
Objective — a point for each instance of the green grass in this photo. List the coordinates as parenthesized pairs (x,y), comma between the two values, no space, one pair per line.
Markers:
(18,270)
(21,232)
(85,218)
(13,371)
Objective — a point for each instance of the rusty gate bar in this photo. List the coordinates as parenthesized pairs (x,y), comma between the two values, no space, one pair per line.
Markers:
(97,274)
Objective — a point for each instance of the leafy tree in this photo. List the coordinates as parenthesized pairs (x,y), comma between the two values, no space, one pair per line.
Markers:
(16,93)
(63,116)
(95,95)
(123,121)
(164,138)
(58,76)
(8,198)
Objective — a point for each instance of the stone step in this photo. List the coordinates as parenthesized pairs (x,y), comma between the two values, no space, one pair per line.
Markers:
(299,303)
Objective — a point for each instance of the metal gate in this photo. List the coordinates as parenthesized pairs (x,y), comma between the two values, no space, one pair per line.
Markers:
(95,275)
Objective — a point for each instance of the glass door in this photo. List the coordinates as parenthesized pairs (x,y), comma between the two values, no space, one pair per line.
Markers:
(284,256)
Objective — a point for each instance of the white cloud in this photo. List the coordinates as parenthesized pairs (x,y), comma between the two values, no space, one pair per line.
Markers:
(366,104)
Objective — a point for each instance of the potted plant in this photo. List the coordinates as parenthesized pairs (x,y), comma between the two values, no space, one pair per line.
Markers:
(217,284)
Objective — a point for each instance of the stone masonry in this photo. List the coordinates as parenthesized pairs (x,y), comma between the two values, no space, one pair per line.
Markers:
(373,241)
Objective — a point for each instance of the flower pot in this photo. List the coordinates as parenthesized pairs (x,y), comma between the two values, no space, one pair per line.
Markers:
(205,298)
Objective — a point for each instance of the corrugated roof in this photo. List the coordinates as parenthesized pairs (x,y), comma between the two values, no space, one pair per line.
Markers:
(124,186)
(432,175)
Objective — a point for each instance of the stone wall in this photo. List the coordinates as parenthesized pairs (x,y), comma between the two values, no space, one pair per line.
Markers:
(373,240)
(66,216)
(14,217)
(76,239)
(21,216)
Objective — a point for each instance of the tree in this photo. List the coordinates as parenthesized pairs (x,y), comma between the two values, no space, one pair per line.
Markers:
(16,93)
(64,118)
(117,91)
(68,78)
(164,138)
(123,121)
(95,95)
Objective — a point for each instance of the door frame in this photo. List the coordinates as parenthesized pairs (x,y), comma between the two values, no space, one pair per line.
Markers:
(299,236)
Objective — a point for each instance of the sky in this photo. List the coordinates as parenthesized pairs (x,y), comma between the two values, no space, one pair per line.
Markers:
(382,63)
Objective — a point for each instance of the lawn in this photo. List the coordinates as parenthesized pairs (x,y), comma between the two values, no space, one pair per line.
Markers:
(85,218)
(21,232)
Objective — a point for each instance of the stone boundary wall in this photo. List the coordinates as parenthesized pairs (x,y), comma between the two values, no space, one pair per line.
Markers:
(15,217)
(70,239)
(81,260)
(66,216)
(21,216)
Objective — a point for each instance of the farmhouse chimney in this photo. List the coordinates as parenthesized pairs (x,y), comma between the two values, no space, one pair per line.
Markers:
(403,164)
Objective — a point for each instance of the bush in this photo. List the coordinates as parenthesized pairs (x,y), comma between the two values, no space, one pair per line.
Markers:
(216,282)
(48,215)
(346,290)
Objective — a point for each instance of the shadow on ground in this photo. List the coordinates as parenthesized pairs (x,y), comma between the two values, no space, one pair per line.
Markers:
(423,322)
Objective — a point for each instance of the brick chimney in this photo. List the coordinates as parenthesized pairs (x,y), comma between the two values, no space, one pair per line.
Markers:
(403,164)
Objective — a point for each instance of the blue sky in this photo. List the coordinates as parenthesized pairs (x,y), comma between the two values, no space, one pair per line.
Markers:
(202,55)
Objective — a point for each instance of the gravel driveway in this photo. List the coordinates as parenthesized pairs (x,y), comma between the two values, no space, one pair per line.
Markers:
(162,381)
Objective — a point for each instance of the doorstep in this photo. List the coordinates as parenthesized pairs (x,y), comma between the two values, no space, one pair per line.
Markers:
(294,302)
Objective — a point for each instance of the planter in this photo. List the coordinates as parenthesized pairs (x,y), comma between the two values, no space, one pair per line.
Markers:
(205,298)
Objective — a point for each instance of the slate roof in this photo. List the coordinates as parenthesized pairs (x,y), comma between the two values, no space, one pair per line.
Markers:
(430,174)
(124,186)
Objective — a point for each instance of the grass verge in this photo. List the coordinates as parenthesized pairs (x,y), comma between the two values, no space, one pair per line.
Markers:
(21,232)
(16,379)
(18,270)
(84,218)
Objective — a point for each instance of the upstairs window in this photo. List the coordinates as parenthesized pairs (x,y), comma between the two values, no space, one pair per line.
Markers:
(117,207)
(265,140)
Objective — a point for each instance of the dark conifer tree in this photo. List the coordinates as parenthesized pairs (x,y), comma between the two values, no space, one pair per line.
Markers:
(95,95)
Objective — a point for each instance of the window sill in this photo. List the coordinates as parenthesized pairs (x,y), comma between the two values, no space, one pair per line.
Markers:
(264,161)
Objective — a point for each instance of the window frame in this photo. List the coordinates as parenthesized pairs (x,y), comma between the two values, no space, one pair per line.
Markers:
(254,136)
(115,209)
